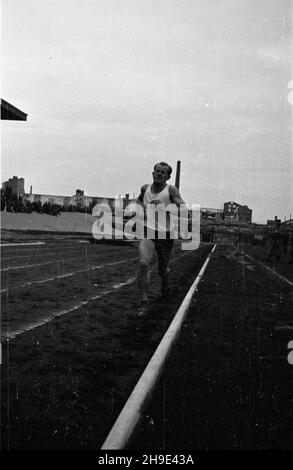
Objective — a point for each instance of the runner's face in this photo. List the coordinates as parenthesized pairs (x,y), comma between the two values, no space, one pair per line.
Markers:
(160,174)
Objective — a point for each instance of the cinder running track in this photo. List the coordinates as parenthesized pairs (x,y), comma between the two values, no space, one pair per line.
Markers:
(228,383)
(73,346)
(80,349)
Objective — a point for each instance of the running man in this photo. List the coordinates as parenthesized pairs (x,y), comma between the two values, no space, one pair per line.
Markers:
(159,192)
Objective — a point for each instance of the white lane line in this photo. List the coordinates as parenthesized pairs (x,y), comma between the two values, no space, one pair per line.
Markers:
(52,244)
(26,266)
(55,251)
(59,260)
(64,249)
(62,276)
(132,410)
(9,268)
(34,250)
(13,334)
(34,254)
(22,244)
(272,271)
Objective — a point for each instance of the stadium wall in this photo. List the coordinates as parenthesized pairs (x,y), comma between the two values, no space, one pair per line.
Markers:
(64,222)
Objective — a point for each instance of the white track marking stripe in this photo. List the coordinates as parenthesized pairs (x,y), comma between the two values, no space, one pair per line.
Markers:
(61,260)
(13,334)
(57,249)
(21,244)
(272,271)
(26,266)
(35,254)
(132,410)
(61,276)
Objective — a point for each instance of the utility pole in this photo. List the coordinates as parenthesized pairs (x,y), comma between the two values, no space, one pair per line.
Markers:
(177,179)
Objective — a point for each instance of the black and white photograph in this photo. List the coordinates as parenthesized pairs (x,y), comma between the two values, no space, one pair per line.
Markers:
(146,229)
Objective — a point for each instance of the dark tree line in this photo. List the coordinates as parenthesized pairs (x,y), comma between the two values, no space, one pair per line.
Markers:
(14,203)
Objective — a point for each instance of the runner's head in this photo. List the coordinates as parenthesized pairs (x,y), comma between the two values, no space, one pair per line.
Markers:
(162,172)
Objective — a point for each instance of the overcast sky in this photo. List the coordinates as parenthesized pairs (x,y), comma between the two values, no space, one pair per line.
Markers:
(113,86)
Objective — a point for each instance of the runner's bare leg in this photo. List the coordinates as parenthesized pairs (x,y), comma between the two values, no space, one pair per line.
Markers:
(146,252)
(163,264)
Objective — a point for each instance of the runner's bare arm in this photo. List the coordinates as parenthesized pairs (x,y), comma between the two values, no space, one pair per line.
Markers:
(177,199)
(140,197)
(175,196)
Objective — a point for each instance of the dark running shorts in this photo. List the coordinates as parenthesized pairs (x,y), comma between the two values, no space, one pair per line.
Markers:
(162,246)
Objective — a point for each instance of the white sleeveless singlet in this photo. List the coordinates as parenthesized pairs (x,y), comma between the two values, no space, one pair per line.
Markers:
(162,221)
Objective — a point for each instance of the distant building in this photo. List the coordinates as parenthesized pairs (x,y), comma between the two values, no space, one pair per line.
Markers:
(78,200)
(16,184)
(53,199)
(288,223)
(234,211)
(11,113)
(273,222)
(210,213)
